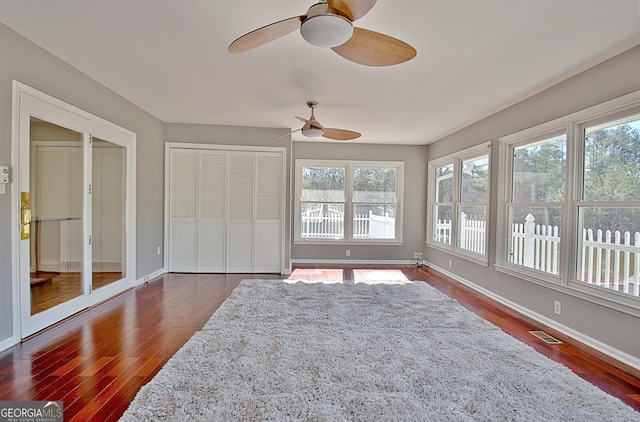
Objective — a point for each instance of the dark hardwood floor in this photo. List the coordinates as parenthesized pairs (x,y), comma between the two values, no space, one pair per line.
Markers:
(96,361)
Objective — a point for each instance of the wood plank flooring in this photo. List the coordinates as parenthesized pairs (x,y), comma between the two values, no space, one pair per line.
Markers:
(58,288)
(97,360)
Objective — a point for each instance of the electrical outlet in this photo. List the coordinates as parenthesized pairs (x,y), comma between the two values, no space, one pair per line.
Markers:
(557,307)
(419,255)
(415,255)
(146,278)
(158,251)
(450,265)
(348,252)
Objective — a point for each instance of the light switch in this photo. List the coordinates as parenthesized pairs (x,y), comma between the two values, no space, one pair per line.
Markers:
(4,174)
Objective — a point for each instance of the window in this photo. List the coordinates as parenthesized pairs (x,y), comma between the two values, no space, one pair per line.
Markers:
(608,208)
(458,202)
(537,185)
(349,201)
(571,192)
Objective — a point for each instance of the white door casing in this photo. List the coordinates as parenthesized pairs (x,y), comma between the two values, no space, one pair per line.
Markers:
(28,104)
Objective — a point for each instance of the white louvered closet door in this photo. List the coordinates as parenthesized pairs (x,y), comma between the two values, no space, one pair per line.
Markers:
(240,212)
(225,211)
(211,211)
(268,212)
(183,217)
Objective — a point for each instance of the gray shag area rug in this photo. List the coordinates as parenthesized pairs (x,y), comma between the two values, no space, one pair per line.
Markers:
(373,351)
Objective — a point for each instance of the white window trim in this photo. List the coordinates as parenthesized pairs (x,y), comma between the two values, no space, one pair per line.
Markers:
(570,124)
(551,130)
(456,159)
(349,165)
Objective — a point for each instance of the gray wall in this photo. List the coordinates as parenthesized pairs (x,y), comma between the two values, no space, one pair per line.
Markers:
(611,79)
(23,61)
(415,187)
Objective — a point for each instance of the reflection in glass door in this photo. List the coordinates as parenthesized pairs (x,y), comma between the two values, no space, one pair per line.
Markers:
(108,213)
(75,230)
(56,196)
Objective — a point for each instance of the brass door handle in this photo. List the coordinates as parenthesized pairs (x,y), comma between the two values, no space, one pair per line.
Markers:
(25,216)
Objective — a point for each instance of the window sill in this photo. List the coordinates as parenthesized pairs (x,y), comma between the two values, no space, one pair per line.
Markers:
(475,258)
(379,242)
(580,290)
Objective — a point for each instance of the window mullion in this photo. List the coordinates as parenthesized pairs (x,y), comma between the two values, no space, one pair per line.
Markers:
(349,204)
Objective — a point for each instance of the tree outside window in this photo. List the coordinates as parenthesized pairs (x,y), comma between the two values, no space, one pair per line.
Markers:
(609,208)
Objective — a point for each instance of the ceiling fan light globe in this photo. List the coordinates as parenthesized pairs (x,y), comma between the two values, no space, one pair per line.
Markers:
(326,30)
(312,132)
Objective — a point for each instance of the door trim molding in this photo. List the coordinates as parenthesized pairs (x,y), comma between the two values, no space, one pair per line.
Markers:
(94,125)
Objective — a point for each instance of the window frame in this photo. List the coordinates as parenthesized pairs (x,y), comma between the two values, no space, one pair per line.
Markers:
(456,159)
(505,195)
(349,203)
(573,125)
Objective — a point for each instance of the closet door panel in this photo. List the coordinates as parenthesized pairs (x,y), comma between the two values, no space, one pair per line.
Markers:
(267,247)
(183,245)
(211,211)
(183,211)
(239,247)
(211,247)
(268,222)
(240,209)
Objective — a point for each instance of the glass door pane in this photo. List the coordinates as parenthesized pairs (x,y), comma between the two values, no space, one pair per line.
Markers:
(56,197)
(108,213)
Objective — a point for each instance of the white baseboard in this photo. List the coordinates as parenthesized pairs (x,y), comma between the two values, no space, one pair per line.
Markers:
(6,343)
(150,276)
(353,261)
(577,335)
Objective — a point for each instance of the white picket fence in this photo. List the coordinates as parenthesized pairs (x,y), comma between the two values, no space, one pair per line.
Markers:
(608,259)
(472,233)
(319,223)
(611,264)
(536,246)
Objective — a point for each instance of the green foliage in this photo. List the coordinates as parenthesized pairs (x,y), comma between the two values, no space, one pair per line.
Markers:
(444,184)
(612,164)
(475,180)
(611,174)
(323,178)
(539,172)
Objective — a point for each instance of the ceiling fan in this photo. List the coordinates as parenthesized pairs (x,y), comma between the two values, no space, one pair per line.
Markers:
(329,23)
(313,129)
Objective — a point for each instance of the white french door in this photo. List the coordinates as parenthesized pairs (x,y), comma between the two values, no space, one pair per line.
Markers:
(76,200)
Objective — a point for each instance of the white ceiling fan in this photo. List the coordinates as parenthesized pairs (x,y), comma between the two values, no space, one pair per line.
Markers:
(313,129)
(329,23)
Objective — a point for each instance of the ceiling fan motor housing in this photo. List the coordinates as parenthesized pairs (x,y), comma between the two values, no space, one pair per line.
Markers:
(325,26)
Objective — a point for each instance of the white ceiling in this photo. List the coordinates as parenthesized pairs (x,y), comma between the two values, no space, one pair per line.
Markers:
(170,58)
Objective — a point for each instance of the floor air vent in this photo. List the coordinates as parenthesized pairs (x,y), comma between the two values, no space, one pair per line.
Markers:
(545,337)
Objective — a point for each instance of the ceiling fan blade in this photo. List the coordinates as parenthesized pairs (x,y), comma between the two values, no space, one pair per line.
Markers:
(340,134)
(310,122)
(354,9)
(374,49)
(288,133)
(266,34)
